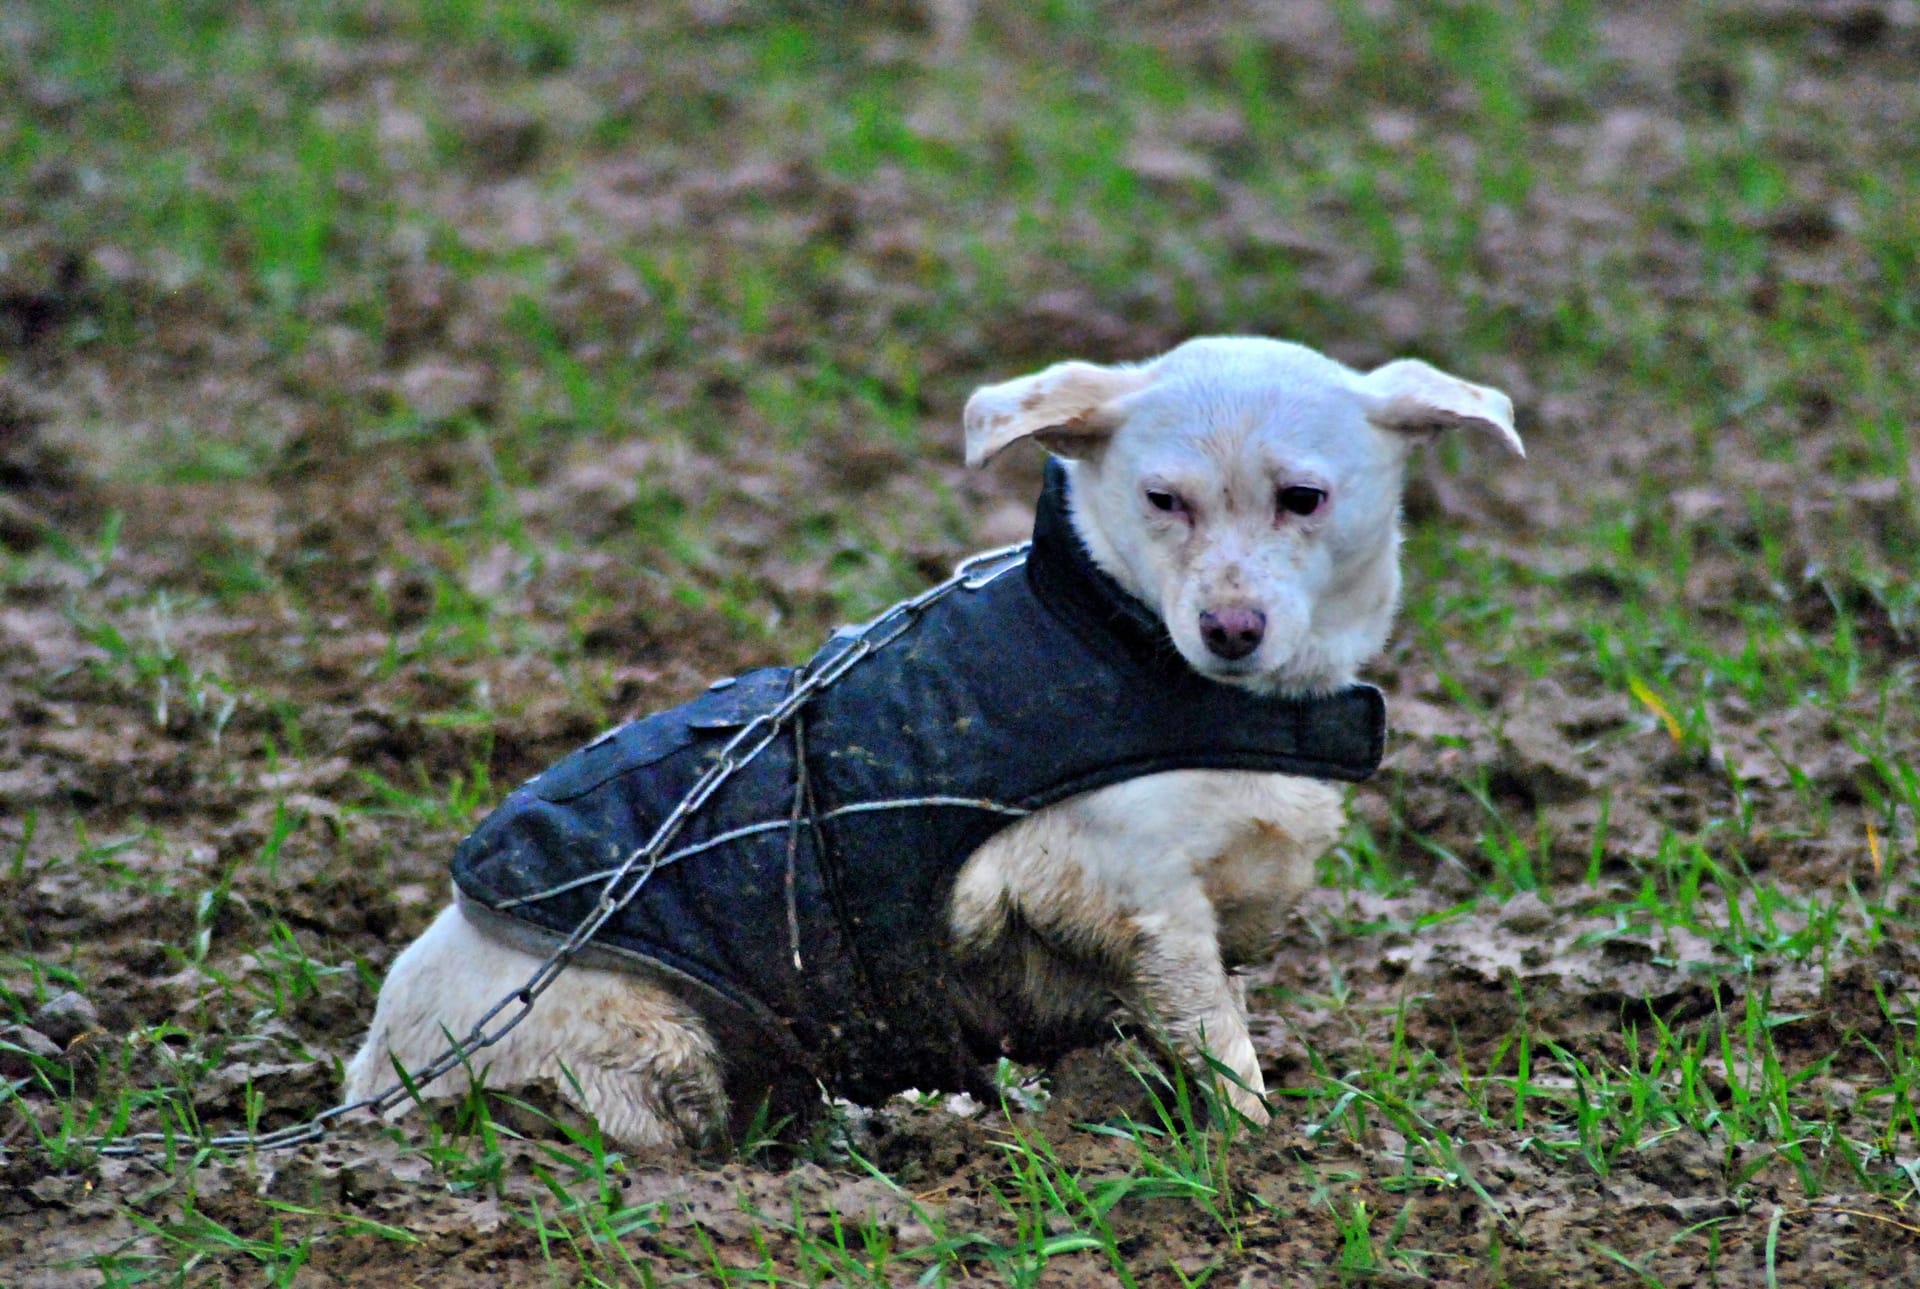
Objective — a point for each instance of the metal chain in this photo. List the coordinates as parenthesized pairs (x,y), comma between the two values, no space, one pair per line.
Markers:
(857,644)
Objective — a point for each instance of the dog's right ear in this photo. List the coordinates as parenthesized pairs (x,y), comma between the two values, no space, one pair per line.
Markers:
(1069,408)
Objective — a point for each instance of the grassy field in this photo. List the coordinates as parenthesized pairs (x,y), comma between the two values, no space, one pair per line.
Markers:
(393,395)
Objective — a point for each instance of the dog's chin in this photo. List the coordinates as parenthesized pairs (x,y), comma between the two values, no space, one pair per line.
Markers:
(1253,672)
(1263,675)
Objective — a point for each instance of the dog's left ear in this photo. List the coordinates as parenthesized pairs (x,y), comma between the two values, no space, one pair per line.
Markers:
(1069,408)
(1409,397)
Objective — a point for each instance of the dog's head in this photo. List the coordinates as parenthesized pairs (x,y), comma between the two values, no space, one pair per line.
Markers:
(1247,490)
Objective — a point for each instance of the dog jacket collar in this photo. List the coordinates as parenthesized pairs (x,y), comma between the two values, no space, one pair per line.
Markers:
(1009,694)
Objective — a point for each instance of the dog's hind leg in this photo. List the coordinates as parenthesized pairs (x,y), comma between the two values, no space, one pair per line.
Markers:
(612,1044)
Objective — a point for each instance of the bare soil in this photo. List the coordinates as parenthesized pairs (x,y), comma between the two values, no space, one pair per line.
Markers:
(242,771)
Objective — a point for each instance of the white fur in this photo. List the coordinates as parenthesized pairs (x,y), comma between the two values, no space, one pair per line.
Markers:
(631,1050)
(1140,897)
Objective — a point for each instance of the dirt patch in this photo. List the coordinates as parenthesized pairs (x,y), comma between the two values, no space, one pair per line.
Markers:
(388,407)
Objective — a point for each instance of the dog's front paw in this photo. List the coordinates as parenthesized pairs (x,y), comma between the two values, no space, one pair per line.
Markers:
(1250,1105)
(1237,1075)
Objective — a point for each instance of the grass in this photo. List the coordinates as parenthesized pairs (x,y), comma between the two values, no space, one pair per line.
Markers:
(728,280)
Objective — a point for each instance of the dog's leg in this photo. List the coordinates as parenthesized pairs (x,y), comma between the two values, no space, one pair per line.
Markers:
(1121,886)
(644,1065)
(1181,987)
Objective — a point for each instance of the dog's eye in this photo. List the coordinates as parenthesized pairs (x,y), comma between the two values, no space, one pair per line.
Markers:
(1301,500)
(1162,500)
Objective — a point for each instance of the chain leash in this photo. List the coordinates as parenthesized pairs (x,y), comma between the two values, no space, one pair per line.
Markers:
(625,882)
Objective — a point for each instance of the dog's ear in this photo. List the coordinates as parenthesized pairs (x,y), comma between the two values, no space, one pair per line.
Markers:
(1069,408)
(1409,397)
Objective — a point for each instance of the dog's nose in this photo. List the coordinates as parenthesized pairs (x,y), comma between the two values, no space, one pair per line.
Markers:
(1232,633)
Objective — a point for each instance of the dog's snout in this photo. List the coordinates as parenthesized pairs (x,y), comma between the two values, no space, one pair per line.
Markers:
(1232,633)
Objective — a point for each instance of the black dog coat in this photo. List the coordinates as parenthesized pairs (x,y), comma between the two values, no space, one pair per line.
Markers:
(1047,681)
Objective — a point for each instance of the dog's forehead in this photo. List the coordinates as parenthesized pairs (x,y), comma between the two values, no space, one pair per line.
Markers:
(1255,416)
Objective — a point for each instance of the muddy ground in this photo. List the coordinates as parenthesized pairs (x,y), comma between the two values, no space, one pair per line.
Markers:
(393,398)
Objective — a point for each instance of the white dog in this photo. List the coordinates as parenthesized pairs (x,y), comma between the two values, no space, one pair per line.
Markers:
(1234,505)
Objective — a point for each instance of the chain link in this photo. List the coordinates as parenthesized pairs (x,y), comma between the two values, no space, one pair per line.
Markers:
(855,644)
